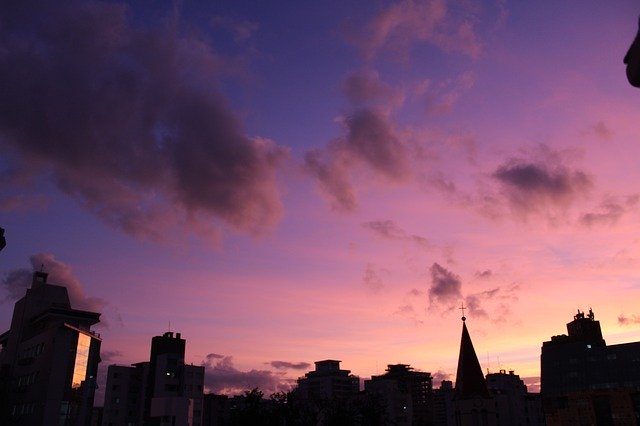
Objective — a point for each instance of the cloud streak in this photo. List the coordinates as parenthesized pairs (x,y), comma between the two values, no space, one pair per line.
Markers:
(388,229)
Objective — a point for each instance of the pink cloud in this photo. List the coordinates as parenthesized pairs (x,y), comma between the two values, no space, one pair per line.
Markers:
(398,26)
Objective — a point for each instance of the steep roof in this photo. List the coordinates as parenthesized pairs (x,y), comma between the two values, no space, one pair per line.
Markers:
(470,381)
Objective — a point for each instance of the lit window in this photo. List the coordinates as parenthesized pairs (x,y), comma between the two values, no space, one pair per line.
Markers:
(82,358)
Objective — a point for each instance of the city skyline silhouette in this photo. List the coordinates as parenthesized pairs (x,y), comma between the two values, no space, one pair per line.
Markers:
(290,183)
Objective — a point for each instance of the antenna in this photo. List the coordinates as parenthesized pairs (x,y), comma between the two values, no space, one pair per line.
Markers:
(169,325)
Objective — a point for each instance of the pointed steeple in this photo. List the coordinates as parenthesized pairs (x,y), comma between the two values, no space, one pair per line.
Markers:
(470,381)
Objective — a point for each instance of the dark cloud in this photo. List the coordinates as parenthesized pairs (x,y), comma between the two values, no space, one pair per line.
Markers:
(415,292)
(221,376)
(372,279)
(17,281)
(109,356)
(290,365)
(333,176)
(609,211)
(370,141)
(484,274)
(542,183)
(390,230)
(126,119)
(405,309)
(445,287)
(628,320)
(473,303)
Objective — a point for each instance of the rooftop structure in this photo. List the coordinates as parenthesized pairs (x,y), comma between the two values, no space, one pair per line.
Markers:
(49,359)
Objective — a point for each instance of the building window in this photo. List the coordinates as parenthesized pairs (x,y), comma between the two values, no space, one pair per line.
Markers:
(82,358)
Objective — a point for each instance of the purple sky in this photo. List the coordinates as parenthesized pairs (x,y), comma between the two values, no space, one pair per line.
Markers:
(310,180)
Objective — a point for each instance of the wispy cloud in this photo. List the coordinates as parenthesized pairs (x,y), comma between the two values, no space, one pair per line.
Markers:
(388,229)
(372,279)
(628,320)
(610,210)
(397,27)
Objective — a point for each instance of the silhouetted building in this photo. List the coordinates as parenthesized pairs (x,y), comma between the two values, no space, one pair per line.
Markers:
(473,404)
(514,405)
(49,359)
(3,241)
(215,410)
(328,381)
(584,379)
(162,391)
(406,394)
(443,411)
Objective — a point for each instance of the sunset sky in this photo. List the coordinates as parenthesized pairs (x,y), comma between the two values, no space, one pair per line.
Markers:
(286,182)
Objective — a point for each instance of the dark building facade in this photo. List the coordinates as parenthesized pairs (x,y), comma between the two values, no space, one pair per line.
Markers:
(49,359)
(406,394)
(472,401)
(161,391)
(584,379)
(328,381)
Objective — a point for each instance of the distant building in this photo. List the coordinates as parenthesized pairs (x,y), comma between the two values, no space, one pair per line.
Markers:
(328,381)
(216,410)
(49,359)
(443,411)
(162,391)
(584,379)
(514,405)
(406,394)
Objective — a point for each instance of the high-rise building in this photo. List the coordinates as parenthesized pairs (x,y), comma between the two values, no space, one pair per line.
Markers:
(406,394)
(328,381)
(49,359)
(587,381)
(162,391)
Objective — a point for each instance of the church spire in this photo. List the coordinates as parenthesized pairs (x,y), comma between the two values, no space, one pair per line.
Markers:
(470,381)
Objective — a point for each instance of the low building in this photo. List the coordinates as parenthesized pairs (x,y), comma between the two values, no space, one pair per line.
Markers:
(161,391)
